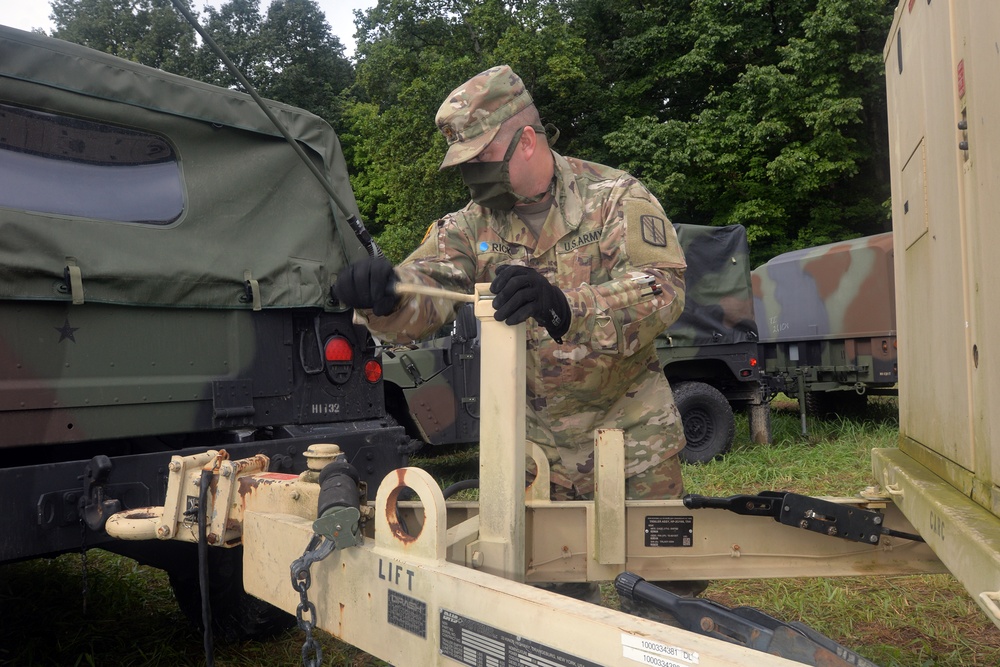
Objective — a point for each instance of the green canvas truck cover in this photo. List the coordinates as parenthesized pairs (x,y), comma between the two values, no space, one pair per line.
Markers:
(152,189)
(718,306)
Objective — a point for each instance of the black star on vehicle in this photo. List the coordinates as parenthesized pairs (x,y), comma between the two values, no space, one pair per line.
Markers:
(66,331)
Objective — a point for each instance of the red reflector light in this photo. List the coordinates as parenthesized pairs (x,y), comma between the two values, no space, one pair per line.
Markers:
(753,361)
(373,371)
(338,349)
(745,373)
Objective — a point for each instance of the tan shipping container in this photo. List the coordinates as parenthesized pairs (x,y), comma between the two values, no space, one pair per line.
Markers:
(942,65)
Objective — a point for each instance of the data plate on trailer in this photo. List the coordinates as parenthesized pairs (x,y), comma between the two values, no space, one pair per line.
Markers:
(407,613)
(475,643)
(669,531)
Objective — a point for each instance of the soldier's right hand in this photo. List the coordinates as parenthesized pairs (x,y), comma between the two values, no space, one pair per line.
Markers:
(369,283)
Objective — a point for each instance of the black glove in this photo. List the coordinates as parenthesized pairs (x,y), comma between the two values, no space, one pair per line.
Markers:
(368,283)
(522,292)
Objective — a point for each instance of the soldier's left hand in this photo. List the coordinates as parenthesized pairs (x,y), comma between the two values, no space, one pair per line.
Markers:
(522,292)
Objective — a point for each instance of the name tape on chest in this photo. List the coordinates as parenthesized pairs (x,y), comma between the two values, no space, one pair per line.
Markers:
(498,248)
(578,241)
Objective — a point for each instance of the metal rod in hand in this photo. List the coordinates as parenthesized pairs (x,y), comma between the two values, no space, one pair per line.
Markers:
(426,290)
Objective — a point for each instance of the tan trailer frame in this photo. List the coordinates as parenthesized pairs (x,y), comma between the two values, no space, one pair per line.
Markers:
(439,583)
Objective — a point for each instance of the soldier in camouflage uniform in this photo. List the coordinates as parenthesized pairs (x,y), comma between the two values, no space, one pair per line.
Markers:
(584,250)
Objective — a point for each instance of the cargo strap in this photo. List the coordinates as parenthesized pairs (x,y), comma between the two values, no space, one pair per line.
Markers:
(74,278)
(252,289)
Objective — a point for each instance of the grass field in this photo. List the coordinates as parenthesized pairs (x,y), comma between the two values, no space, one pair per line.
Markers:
(131,617)
(911,621)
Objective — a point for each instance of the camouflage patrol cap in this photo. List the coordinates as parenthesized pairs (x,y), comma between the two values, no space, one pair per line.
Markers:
(472,114)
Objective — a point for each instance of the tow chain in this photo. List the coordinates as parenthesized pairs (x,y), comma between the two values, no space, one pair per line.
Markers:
(338,526)
(317,549)
(83,566)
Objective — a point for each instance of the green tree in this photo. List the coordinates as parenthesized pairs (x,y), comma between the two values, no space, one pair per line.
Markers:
(395,155)
(289,55)
(235,27)
(150,32)
(304,61)
(795,147)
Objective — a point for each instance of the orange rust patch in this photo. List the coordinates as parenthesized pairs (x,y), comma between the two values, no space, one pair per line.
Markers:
(283,476)
(250,483)
(391,509)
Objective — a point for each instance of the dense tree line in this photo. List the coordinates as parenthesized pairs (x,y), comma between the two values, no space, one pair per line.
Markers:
(766,113)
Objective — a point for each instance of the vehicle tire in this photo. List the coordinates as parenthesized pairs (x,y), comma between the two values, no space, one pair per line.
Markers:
(236,615)
(709,426)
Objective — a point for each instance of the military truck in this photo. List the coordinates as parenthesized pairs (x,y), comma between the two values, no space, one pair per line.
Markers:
(432,387)
(709,355)
(165,271)
(827,322)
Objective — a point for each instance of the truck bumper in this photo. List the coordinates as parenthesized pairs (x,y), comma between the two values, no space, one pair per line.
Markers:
(40,502)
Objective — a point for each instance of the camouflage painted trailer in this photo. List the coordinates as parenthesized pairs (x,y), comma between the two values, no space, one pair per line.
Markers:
(165,271)
(827,322)
(709,355)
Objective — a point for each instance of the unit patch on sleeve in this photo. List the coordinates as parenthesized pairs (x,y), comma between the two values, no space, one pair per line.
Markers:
(654,230)
(649,236)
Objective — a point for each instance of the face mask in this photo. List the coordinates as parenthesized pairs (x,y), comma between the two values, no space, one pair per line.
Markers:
(489,182)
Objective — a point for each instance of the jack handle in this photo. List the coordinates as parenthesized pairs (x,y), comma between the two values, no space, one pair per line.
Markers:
(745,626)
(427,290)
(814,514)
(767,503)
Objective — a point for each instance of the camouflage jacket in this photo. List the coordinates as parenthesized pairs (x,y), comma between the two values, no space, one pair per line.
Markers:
(604,238)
